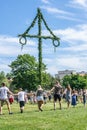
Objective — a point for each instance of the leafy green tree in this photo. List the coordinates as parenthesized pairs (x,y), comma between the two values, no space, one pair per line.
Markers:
(25,72)
(47,80)
(3,78)
(76,81)
(66,80)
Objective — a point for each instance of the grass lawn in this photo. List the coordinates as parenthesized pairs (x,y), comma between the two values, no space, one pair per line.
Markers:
(32,119)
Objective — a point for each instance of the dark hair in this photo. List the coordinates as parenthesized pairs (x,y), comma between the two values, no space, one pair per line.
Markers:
(3,84)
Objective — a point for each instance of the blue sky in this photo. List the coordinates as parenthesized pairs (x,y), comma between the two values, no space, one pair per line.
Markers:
(66,18)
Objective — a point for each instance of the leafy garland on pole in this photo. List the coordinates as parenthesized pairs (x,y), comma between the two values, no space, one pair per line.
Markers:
(39,47)
(54,38)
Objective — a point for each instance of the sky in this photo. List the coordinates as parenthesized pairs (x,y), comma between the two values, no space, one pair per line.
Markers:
(67,19)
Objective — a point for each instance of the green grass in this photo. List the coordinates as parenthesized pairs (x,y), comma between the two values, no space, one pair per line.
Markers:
(32,119)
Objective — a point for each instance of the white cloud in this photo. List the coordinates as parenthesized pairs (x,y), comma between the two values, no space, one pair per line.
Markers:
(9,39)
(79,4)
(75,63)
(69,18)
(73,35)
(62,14)
(45,1)
(56,10)
(11,46)
(76,48)
(66,62)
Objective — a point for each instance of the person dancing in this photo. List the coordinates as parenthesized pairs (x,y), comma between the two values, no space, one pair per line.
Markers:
(57,88)
(4,98)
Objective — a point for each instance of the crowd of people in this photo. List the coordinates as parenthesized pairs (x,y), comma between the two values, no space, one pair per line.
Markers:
(40,97)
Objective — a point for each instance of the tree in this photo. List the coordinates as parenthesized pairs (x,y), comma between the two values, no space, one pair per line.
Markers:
(25,72)
(3,78)
(76,81)
(66,80)
(47,80)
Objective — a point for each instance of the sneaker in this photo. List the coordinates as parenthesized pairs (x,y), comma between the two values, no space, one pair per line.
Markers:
(41,109)
(10,113)
(21,111)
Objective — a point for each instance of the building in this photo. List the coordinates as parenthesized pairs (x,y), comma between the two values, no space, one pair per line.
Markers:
(61,74)
(82,73)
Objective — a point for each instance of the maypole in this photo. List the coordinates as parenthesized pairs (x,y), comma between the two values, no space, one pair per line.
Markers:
(23,38)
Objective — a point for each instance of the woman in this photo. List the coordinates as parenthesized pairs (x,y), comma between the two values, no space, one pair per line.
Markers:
(68,95)
(39,95)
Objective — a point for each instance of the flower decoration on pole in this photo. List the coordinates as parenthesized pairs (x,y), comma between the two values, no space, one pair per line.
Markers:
(23,38)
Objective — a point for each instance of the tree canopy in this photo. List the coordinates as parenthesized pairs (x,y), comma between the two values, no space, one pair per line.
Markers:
(3,78)
(76,81)
(25,73)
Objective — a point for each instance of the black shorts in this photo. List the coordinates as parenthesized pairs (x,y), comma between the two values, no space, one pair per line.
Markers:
(57,96)
(22,103)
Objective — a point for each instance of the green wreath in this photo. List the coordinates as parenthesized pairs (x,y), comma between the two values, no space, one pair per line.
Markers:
(55,45)
(21,40)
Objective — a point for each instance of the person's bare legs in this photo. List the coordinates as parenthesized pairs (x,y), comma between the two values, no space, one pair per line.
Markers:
(54,104)
(21,109)
(1,105)
(60,105)
(8,106)
(40,103)
(68,104)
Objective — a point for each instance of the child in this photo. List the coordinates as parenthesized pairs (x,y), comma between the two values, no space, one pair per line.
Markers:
(74,95)
(11,99)
(67,93)
(21,99)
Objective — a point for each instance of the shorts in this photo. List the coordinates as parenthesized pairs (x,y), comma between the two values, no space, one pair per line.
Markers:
(22,103)
(4,101)
(57,96)
(39,98)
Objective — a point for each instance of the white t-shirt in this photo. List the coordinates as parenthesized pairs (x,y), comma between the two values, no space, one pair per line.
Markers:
(3,93)
(21,96)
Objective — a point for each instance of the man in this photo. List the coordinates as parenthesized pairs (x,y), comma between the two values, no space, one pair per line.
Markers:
(57,93)
(4,98)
